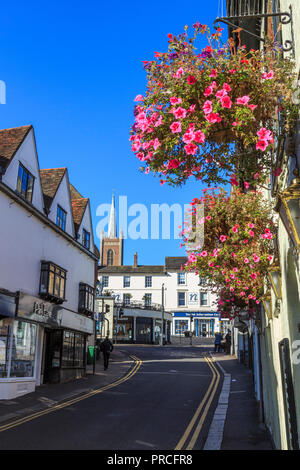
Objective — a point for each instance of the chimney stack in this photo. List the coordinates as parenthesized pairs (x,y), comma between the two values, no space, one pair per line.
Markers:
(135,260)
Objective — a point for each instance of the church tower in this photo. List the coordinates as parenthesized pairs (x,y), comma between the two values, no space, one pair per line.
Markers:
(111,246)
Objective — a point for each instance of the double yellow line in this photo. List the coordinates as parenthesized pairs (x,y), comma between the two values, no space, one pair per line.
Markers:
(208,398)
(60,406)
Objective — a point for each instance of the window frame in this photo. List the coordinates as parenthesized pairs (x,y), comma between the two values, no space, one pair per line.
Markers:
(20,178)
(128,277)
(110,254)
(147,299)
(49,268)
(85,297)
(148,284)
(178,279)
(59,211)
(106,284)
(84,238)
(178,303)
(201,301)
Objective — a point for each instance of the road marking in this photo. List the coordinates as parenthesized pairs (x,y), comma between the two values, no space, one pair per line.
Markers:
(137,365)
(214,383)
(204,414)
(145,443)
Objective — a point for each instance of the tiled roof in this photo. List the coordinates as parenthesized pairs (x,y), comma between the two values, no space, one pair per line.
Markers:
(74,193)
(175,262)
(145,269)
(50,180)
(10,141)
(78,209)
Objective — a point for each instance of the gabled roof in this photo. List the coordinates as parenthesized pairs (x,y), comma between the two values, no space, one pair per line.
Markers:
(50,180)
(10,141)
(175,262)
(78,209)
(74,193)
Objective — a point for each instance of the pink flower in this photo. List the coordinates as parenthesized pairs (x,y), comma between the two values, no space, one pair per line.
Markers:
(234,229)
(268,76)
(233,180)
(253,275)
(207,107)
(208,91)
(173,164)
(192,258)
(190,149)
(264,134)
(262,145)
(235,270)
(226,102)
(243,100)
(213,117)
(192,108)
(199,137)
(256,258)
(252,106)
(213,73)
(270,258)
(251,233)
(175,100)
(226,87)
(221,93)
(251,225)
(204,253)
(247,185)
(156,143)
(232,71)
(179,112)
(138,98)
(179,72)
(223,238)
(188,137)
(191,79)
(208,217)
(211,264)
(158,122)
(175,127)
(246,260)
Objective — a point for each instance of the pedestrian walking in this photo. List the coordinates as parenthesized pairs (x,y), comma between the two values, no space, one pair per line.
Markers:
(218,339)
(106,347)
(228,342)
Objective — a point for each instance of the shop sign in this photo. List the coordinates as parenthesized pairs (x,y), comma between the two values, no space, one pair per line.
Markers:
(197,314)
(33,308)
(193,298)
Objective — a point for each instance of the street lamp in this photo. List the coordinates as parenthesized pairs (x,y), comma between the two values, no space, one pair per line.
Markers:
(162,313)
(274,275)
(267,302)
(289,209)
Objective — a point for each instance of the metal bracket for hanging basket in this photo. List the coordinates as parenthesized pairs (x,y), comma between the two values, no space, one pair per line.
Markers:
(284,18)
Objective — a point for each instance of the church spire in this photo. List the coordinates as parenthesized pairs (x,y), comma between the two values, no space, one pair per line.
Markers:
(112,228)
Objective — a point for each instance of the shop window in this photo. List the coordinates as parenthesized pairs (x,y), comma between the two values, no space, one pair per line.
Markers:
(86,299)
(181,326)
(61,218)
(53,282)
(73,350)
(86,237)
(23,349)
(4,347)
(25,183)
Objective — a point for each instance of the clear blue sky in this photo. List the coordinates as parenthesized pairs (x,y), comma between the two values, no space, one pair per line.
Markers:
(72,70)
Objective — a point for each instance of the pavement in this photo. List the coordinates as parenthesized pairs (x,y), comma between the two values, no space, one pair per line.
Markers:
(242,429)
(48,395)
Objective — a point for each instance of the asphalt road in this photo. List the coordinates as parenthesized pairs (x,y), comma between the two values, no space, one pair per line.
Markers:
(151,411)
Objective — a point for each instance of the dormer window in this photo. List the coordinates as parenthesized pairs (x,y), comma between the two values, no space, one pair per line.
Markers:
(25,183)
(53,282)
(86,237)
(61,218)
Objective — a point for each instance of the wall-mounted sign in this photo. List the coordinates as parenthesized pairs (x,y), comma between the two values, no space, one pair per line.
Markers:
(193,298)
(35,309)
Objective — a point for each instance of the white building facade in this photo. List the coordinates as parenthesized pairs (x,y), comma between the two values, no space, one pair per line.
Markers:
(47,270)
(188,304)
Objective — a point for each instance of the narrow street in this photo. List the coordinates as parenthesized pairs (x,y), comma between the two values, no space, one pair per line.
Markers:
(167,402)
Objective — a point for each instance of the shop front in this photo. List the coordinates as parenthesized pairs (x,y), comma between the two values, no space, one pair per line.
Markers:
(201,324)
(39,342)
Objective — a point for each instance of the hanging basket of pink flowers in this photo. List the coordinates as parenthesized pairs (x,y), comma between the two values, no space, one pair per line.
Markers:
(237,248)
(202,107)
